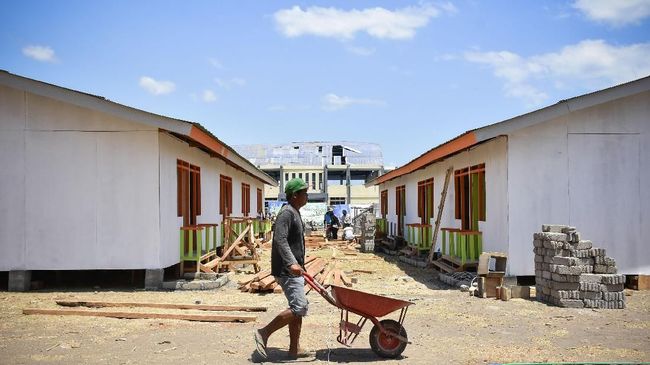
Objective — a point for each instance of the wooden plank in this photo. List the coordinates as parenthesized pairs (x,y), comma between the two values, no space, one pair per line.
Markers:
(203,307)
(267,281)
(131,315)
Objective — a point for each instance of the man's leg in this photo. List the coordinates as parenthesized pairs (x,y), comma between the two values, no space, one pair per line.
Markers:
(284,318)
(294,335)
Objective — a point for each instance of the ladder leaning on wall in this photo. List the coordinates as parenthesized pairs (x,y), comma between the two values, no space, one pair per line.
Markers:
(441,206)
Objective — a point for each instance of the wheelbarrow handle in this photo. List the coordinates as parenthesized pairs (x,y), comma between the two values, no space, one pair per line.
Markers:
(319,288)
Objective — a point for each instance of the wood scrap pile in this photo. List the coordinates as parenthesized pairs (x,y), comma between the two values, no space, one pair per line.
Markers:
(326,273)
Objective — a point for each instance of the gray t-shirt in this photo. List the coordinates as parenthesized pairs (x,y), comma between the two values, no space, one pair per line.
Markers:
(288,242)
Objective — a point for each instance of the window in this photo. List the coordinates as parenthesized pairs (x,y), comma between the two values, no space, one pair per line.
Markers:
(425,200)
(188,191)
(320,180)
(384,203)
(400,208)
(337,200)
(293,175)
(313,180)
(469,188)
(260,208)
(245,199)
(286,177)
(307,179)
(225,195)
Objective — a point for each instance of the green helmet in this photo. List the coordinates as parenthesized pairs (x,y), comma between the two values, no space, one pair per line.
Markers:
(295,185)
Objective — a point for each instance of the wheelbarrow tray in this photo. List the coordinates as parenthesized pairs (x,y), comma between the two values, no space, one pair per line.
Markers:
(366,304)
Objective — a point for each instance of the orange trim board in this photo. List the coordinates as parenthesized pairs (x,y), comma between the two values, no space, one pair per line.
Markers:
(209,142)
(459,143)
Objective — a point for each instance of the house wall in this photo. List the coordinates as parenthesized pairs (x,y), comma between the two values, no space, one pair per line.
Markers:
(494,229)
(172,149)
(78,187)
(587,169)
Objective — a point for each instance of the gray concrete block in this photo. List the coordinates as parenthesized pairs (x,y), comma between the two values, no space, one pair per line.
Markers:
(555,228)
(595,287)
(538,243)
(595,303)
(604,260)
(604,269)
(566,261)
(546,275)
(565,278)
(153,279)
(583,245)
(568,229)
(549,236)
(614,296)
(571,303)
(581,253)
(612,287)
(565,294)
(553,244)
(571,270)
(591,278)
(539,258)
(596,252)
(613,278)
(19,280)
(592,295)
(565,286)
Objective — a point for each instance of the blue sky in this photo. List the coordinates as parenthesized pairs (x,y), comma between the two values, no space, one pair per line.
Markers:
(406,75)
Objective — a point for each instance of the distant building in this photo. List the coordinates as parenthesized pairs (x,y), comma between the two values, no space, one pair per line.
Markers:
(335,171)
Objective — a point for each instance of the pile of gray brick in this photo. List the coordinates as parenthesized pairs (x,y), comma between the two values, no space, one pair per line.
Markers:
(570,272)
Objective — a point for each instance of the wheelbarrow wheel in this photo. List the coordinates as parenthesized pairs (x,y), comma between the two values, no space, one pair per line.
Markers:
(384,345)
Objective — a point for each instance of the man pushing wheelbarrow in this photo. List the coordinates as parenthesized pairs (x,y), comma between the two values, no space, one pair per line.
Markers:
(387,338)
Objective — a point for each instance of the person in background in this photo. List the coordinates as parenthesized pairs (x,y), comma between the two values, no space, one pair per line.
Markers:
(287,266)
(334,227)
(327,221)
(346,219)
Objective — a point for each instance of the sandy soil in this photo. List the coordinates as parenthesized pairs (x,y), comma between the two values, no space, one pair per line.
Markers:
(445,326)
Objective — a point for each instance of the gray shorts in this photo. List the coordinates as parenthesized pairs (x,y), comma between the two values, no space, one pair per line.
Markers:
(294,290)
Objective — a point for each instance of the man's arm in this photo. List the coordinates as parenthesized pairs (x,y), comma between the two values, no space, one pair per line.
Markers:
(281,234)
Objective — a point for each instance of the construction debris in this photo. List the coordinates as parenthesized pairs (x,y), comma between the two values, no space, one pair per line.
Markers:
(570,272)
(326,273)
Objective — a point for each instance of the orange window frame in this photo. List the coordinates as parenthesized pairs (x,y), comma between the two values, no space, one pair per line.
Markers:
(245,199)
(425,200)
(260,209)
(225,195)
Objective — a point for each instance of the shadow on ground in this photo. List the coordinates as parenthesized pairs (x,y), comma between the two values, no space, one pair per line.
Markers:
(337,355)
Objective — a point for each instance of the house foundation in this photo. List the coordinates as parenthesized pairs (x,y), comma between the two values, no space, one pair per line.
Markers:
(153,279)
(19,280)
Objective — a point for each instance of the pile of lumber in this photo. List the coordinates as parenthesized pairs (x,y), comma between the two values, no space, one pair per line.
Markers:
(149,315)
(324,272)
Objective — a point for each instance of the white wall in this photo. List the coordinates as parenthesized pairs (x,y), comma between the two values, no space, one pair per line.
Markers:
(586,169)
(89,200)
(12,179)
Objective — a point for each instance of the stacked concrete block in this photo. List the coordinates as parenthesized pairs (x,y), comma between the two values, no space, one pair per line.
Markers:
(368,225)
(570,272)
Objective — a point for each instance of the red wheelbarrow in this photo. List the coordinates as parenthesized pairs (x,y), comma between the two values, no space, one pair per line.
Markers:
(387,337)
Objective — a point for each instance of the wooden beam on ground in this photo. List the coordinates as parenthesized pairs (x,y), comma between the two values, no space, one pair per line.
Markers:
(203,307)
(132,315)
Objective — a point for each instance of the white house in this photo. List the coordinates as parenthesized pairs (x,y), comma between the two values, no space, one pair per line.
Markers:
(86,183)
(584,162)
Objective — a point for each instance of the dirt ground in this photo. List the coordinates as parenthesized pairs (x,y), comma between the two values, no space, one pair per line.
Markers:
(446,326)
